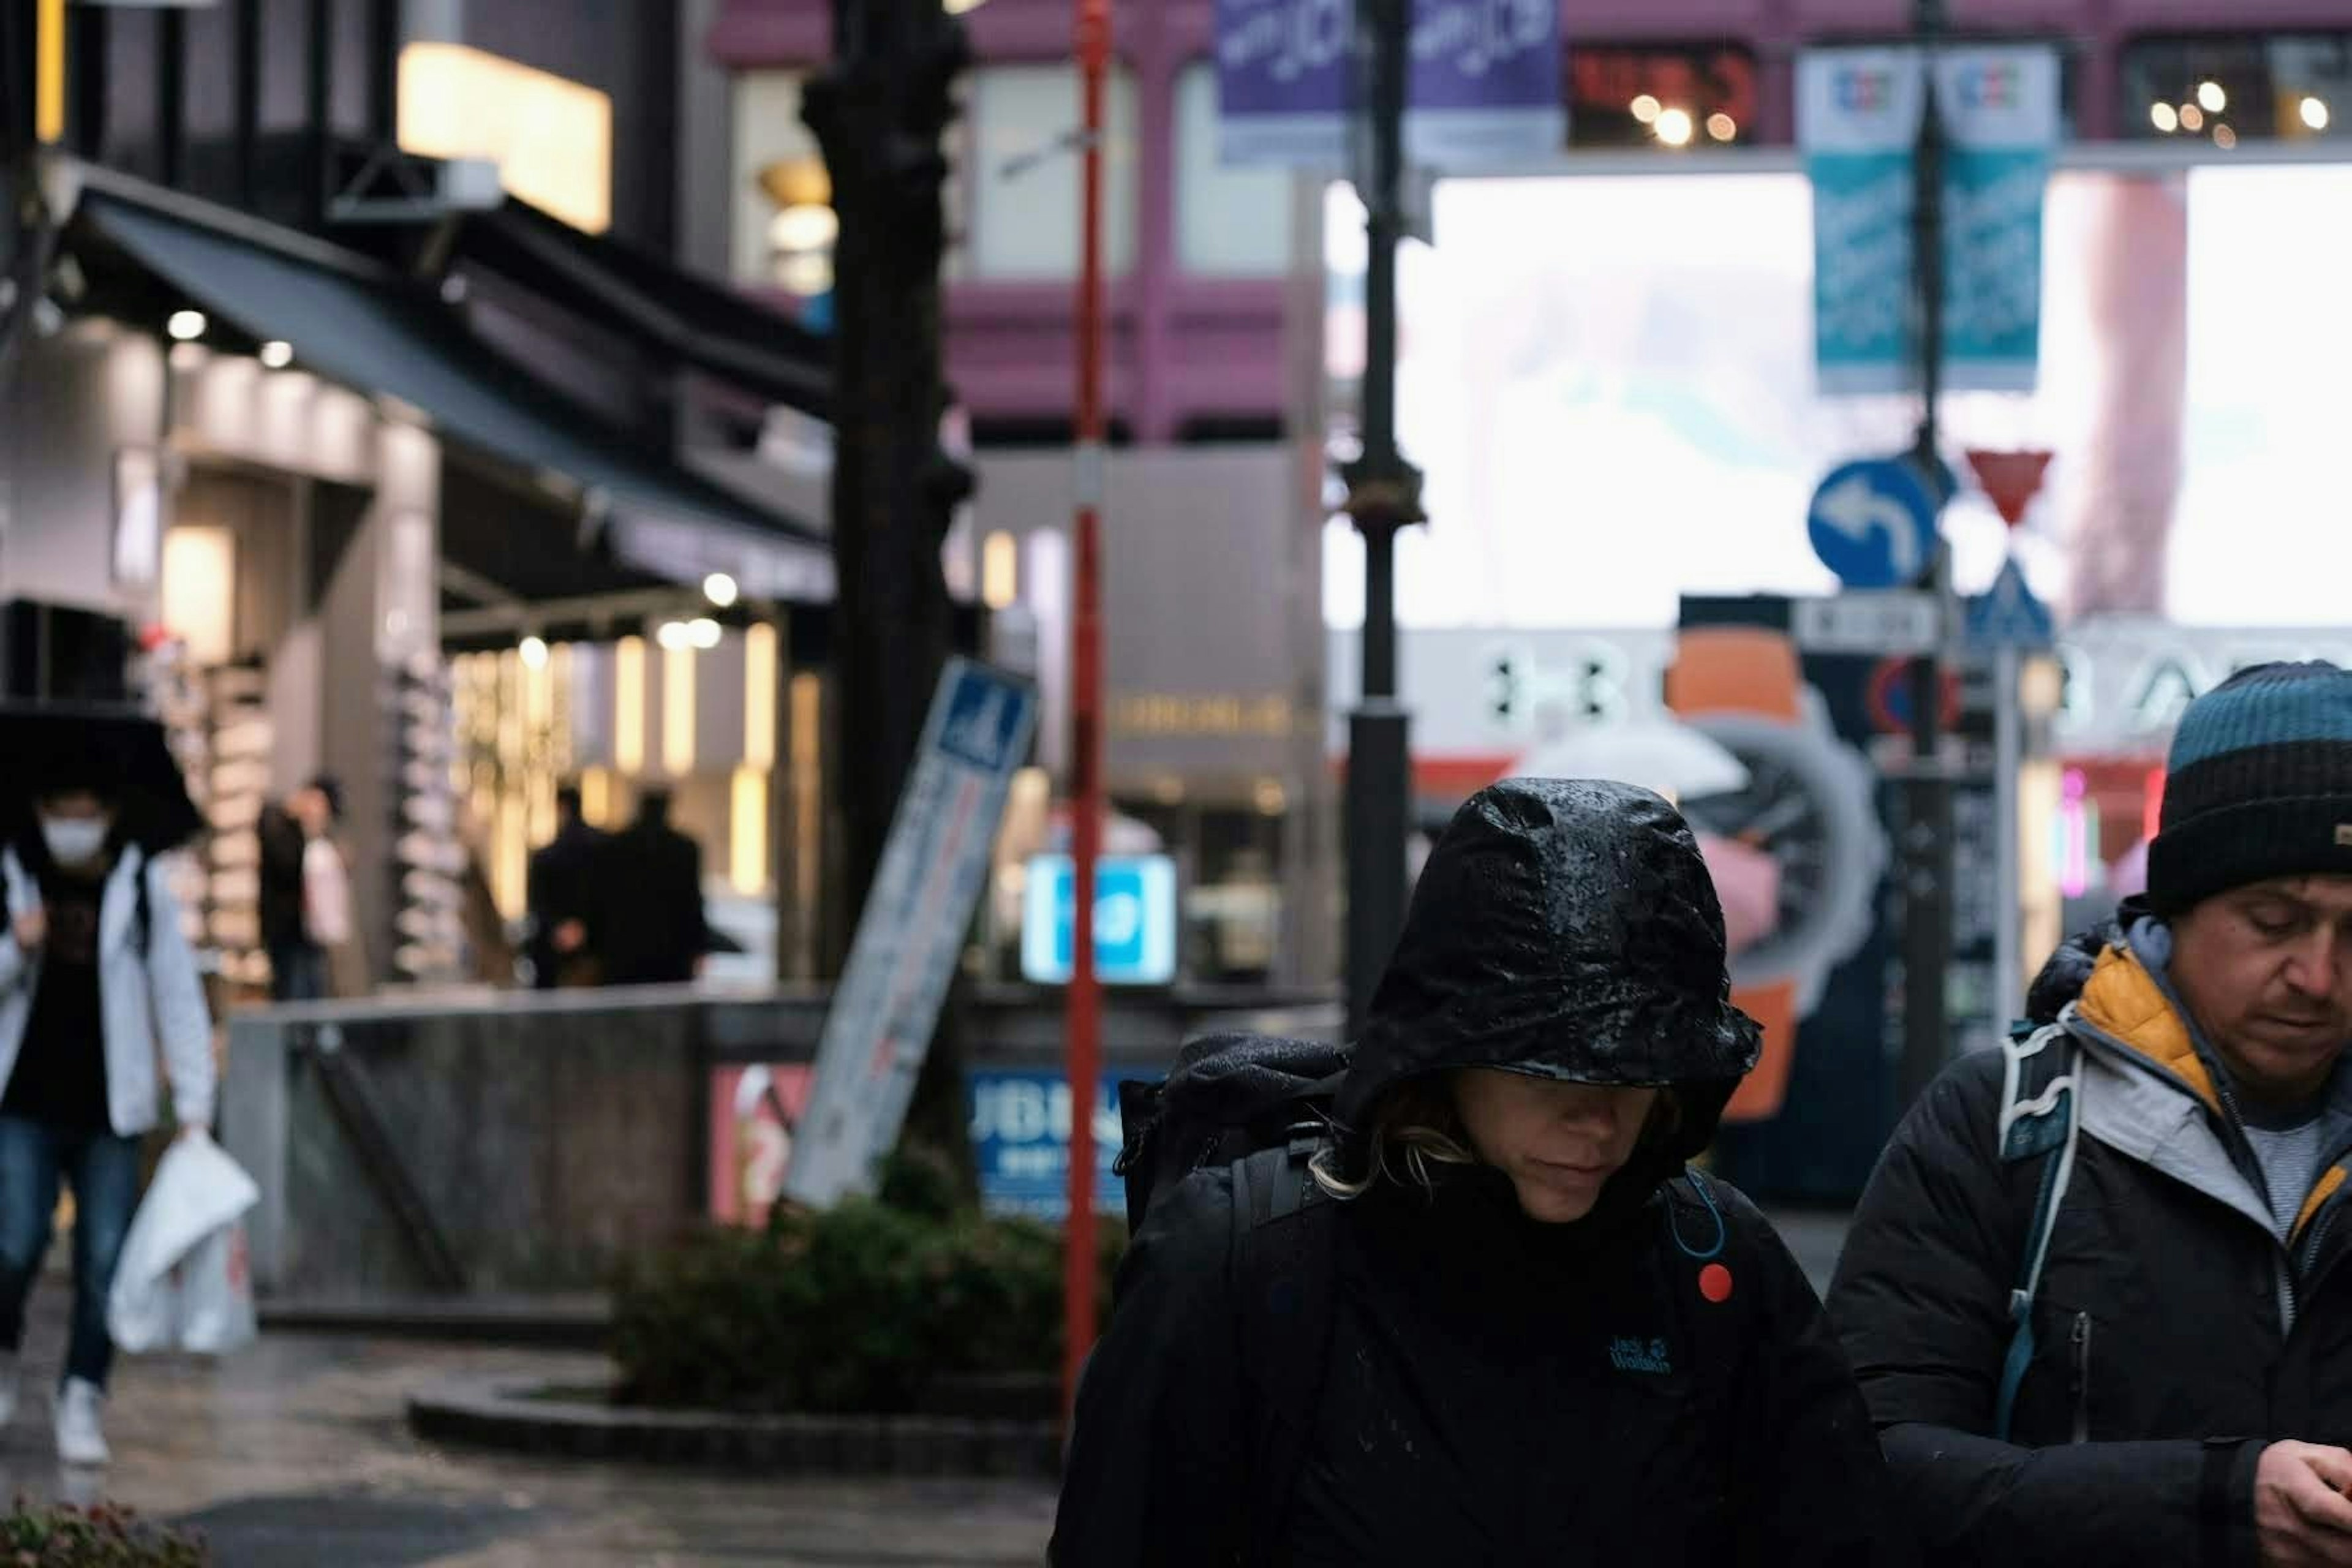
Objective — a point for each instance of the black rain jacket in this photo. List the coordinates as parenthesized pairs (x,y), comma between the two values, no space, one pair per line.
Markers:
(2176,1333)
(1497,1391)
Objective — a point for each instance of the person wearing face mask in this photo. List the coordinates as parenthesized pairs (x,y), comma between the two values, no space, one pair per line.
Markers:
(1530,1333)
(95,975)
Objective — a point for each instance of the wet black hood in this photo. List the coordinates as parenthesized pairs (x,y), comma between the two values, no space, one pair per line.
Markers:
(1566,929)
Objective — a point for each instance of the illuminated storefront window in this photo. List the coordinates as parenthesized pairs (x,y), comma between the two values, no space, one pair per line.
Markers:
(2222,87)
(1669,97)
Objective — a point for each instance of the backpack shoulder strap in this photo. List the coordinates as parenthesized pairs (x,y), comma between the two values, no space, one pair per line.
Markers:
(2039,1120)
(1284,1233)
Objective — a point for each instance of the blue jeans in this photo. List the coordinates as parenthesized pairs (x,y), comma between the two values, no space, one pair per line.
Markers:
(104,1171)
(297,971)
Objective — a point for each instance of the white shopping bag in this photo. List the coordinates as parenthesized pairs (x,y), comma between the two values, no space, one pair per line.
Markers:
(183,1282)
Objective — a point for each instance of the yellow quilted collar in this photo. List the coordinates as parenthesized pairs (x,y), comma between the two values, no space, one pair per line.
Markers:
(2123,1002)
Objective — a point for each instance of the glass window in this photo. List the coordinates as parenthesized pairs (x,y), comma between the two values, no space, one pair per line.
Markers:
(781,192)
(1663,96)
(2218,87)
(1230,222)
(1020,166)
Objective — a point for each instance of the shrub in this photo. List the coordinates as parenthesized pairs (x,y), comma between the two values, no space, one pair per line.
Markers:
(864,1307)
(105,1536)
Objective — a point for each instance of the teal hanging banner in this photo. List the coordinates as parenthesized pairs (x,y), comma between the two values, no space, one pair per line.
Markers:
(1858,118)
(2000,106)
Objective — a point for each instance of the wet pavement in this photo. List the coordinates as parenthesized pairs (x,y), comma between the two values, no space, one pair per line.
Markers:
(295,1455)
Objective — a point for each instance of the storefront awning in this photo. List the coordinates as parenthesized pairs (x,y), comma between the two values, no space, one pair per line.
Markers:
(362,326)
(688,318)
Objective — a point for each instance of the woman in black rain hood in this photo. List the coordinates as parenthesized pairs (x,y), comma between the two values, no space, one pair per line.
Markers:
(1504,1325)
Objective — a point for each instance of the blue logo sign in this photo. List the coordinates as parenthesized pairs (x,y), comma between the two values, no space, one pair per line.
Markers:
(1020,1141)
(2010,616)
(1135,921)
(1874,525)
(1484,84)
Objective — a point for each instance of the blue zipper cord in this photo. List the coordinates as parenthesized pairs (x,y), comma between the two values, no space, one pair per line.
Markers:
(1722,1232)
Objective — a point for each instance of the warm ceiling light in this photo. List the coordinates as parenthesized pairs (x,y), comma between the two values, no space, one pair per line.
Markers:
(703,632)
(2210,98)
(2192,119)
(720,589)
(2164,116)
(1646,109)
(2224,138)
(1722,127)
(804,228)
(674,636)
(1675,127)
(2313,113)
(797,182)
(276,354)
(534,653)
(186,326)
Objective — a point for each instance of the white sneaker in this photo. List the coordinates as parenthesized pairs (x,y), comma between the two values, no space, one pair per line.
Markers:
(81,1438)
(8,1371)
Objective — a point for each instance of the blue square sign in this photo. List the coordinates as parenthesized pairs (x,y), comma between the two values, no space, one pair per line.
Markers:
(1135,921)
(1020,1141)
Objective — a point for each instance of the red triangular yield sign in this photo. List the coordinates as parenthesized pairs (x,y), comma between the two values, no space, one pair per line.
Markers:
(2012,480)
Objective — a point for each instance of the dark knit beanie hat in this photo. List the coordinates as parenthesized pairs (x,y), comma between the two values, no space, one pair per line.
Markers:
(2259,785)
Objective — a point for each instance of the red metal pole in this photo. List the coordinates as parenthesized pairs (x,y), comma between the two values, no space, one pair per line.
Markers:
(1084,1024)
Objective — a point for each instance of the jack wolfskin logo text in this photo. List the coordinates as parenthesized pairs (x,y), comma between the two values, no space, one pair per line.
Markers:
(1640,1355)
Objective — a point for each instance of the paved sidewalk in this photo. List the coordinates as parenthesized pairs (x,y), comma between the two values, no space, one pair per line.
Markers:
(295,1456)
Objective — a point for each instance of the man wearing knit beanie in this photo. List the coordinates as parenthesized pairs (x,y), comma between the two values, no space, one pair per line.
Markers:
(2096,1293)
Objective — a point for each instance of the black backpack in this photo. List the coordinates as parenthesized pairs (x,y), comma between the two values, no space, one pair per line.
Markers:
(1259,1107)
(1231,1096)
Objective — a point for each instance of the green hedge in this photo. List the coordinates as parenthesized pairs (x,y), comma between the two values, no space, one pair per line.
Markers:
(60,1536)
(864,1307)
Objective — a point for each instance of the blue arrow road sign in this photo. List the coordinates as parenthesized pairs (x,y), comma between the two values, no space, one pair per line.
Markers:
(2009,615)
(1874,525)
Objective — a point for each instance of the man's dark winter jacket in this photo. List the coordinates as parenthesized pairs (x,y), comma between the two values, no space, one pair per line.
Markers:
(1497,1391)
(2176,1335)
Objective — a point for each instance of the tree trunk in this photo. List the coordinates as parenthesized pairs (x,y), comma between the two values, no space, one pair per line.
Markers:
(879,113)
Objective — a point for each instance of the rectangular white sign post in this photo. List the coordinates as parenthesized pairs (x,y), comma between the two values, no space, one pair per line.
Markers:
(1892,623)
(933,871)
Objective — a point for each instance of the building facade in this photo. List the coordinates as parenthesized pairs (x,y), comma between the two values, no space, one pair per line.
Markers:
(351,340)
